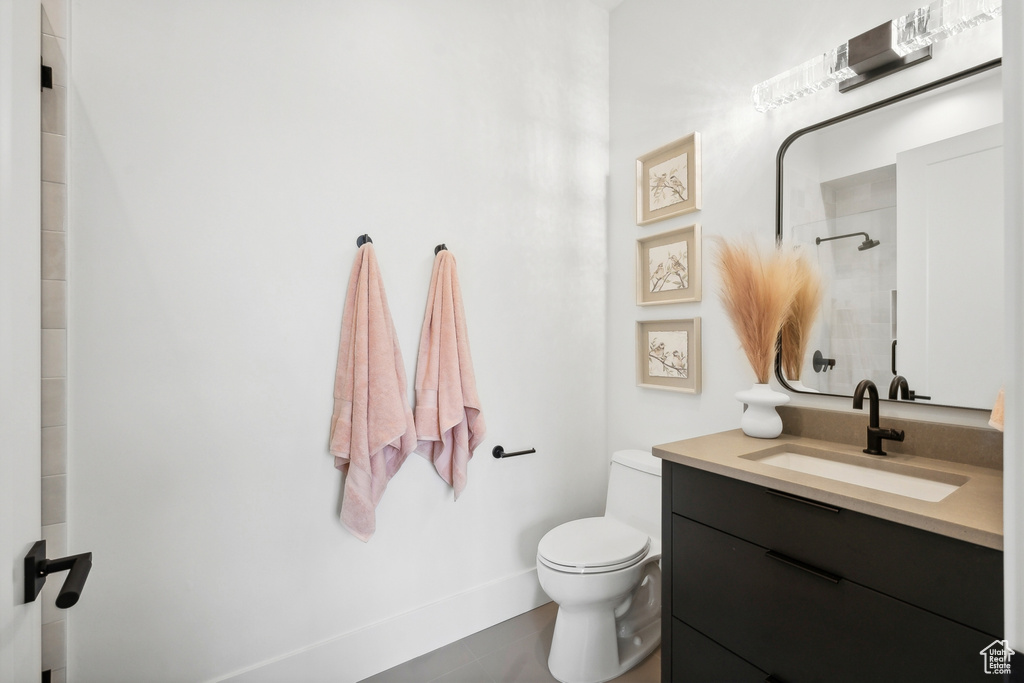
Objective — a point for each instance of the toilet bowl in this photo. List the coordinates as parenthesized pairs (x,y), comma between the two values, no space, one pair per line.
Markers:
(605,576)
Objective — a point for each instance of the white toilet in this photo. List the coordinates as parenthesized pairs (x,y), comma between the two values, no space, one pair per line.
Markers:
(604,573)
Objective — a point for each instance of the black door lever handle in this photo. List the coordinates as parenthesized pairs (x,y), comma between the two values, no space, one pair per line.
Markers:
(37,568)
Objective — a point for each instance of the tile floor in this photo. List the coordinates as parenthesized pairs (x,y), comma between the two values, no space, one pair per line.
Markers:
(514,651)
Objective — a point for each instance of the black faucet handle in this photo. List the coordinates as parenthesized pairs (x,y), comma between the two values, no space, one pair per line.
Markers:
(894,434)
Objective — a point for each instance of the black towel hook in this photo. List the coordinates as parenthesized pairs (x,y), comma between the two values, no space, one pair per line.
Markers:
(363,239)
(440,247)
(37,568)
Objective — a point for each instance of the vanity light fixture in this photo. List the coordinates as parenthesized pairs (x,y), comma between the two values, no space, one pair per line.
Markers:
(883,50)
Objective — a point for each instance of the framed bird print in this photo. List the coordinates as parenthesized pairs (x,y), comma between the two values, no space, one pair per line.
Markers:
(668,180)
(668,355)
(668,267)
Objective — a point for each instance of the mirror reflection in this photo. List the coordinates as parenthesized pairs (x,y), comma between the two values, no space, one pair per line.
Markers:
(901,207)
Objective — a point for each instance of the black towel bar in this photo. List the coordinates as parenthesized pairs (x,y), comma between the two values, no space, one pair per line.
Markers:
(440,247)
(363,239)
(499,452)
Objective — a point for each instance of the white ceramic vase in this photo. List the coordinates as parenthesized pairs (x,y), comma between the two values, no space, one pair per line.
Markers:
(760,419)
(797,385)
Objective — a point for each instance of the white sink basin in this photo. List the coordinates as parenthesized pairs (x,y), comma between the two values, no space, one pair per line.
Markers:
(895,478)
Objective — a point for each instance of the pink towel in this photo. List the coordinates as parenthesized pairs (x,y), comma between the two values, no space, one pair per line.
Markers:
(372,429)
(449,424)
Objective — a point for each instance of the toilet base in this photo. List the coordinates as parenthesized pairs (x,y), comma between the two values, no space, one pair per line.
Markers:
(597,642)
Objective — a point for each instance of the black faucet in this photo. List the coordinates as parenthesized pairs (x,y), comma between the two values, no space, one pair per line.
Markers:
(899,384)
(875,433)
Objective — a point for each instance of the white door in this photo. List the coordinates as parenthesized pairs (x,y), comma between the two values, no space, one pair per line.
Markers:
(950,234)
(19,334)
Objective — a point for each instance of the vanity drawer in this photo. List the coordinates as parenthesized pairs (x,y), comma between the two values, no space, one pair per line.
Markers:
(695,657)
(958,580)
(803,625)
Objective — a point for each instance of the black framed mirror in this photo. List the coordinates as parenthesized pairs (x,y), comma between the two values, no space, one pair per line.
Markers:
(900,205)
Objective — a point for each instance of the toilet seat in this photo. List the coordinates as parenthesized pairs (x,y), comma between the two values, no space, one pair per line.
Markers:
(593,545)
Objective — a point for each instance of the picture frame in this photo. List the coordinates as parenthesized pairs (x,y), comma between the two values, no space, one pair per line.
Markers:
(668,355)
(668,267)
(668,180)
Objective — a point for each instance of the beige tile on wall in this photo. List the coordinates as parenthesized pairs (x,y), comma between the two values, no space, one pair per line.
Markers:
(54,305)
(54,645)
(55,18)
(54,406)
(54,499)
(55,56)
(55,450)
(56,537)
(54,206)
(53,245)
(53,102)
(54,154)
(55,350)
(54,259)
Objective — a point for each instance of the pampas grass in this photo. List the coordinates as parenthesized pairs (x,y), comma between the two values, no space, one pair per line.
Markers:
(758,286)
(796,330)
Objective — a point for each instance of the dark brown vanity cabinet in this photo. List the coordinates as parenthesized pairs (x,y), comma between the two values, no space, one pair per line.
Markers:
(760,585)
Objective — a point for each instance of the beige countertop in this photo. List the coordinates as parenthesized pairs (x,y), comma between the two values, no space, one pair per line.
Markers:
(972,513)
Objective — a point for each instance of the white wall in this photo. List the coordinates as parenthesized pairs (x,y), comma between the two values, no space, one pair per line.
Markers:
(683,67)
(1013,444)
(20,310)
(224,158)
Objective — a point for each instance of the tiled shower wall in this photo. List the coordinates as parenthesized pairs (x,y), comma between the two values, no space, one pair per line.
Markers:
(54,326)
(855,325)
(861,330)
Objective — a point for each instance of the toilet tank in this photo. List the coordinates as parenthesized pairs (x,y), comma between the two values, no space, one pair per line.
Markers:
(634,491)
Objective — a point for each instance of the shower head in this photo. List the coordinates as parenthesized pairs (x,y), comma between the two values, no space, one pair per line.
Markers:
(868,243)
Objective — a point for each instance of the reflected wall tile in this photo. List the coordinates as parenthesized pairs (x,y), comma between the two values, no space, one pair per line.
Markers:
(883,193)
(854,199)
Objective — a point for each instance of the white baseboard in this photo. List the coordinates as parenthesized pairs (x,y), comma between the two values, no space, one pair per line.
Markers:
(364,652)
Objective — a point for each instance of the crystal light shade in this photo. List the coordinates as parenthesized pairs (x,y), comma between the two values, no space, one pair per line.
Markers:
(939,20)
(914,31)
(811,76)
